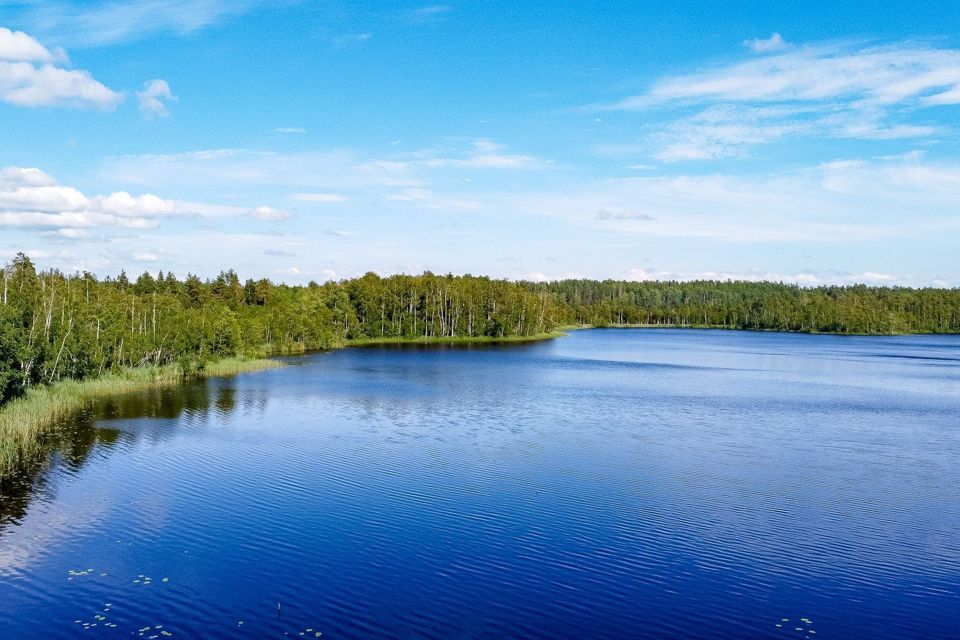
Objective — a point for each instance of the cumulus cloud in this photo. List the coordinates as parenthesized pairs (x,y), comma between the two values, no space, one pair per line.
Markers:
(125,205)
(17,46)
(24,177)
(73,234)
(154,98)
(30,198)
(268,213)
(33,76)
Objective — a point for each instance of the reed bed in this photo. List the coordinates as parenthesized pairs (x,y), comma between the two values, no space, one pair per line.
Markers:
(26,421)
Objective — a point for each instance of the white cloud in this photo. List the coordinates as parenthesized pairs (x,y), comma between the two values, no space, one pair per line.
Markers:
(86,23)
(16,46)
(30,198)
(269,213)
(351,38)
(289,130)
(623,214)
(123,204)
(154,98)
(834,91)
(485,154)
(26,84)
(25,177)
(30,76)
(337,169)
(289,271)
(70,234)
(837,202)
(428,14)
(765,45)
(879,75)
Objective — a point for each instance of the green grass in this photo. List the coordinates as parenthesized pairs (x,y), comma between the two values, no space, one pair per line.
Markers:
(26,421)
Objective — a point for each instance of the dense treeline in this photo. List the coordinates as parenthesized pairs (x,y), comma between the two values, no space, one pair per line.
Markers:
(55,326)
(759,305)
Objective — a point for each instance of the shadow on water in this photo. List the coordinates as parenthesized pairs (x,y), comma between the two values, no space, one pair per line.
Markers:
(104,427)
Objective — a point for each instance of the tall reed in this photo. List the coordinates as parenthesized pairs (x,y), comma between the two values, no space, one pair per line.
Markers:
(27,421)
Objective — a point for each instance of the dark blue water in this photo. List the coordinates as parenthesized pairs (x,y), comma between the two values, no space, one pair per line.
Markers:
(610,484)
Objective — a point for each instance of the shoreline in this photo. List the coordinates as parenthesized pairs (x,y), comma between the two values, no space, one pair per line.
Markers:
(25,421)
(720,327)
(453,340)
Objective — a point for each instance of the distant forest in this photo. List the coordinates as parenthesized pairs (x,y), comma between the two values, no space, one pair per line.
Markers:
(55,326)
(771,306)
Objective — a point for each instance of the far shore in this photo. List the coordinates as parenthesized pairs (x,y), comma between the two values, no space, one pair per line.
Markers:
(368,342)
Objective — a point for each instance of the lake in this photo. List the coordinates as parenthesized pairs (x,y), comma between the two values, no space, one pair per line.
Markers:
(608,484)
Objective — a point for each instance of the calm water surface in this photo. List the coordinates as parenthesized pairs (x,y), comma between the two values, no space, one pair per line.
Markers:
(610,484)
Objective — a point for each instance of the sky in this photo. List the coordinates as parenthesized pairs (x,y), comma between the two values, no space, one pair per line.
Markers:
(809,142)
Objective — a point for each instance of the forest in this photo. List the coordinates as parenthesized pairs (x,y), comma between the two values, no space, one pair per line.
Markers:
(56,326)
(769,306)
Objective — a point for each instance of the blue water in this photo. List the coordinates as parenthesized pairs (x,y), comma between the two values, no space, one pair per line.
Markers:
(609,484)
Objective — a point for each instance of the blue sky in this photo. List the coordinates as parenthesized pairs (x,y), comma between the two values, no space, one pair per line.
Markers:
(810,143)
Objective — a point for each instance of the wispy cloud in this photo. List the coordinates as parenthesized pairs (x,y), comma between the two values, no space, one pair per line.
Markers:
(765,45)
(429,199)
(428,14)
(334,169)
(154,98)
(81,23)
(623,214)
(833,90)
(837,202)
(268,213)
(351,38)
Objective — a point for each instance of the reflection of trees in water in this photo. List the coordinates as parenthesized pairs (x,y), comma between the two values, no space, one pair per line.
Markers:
(114,422)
